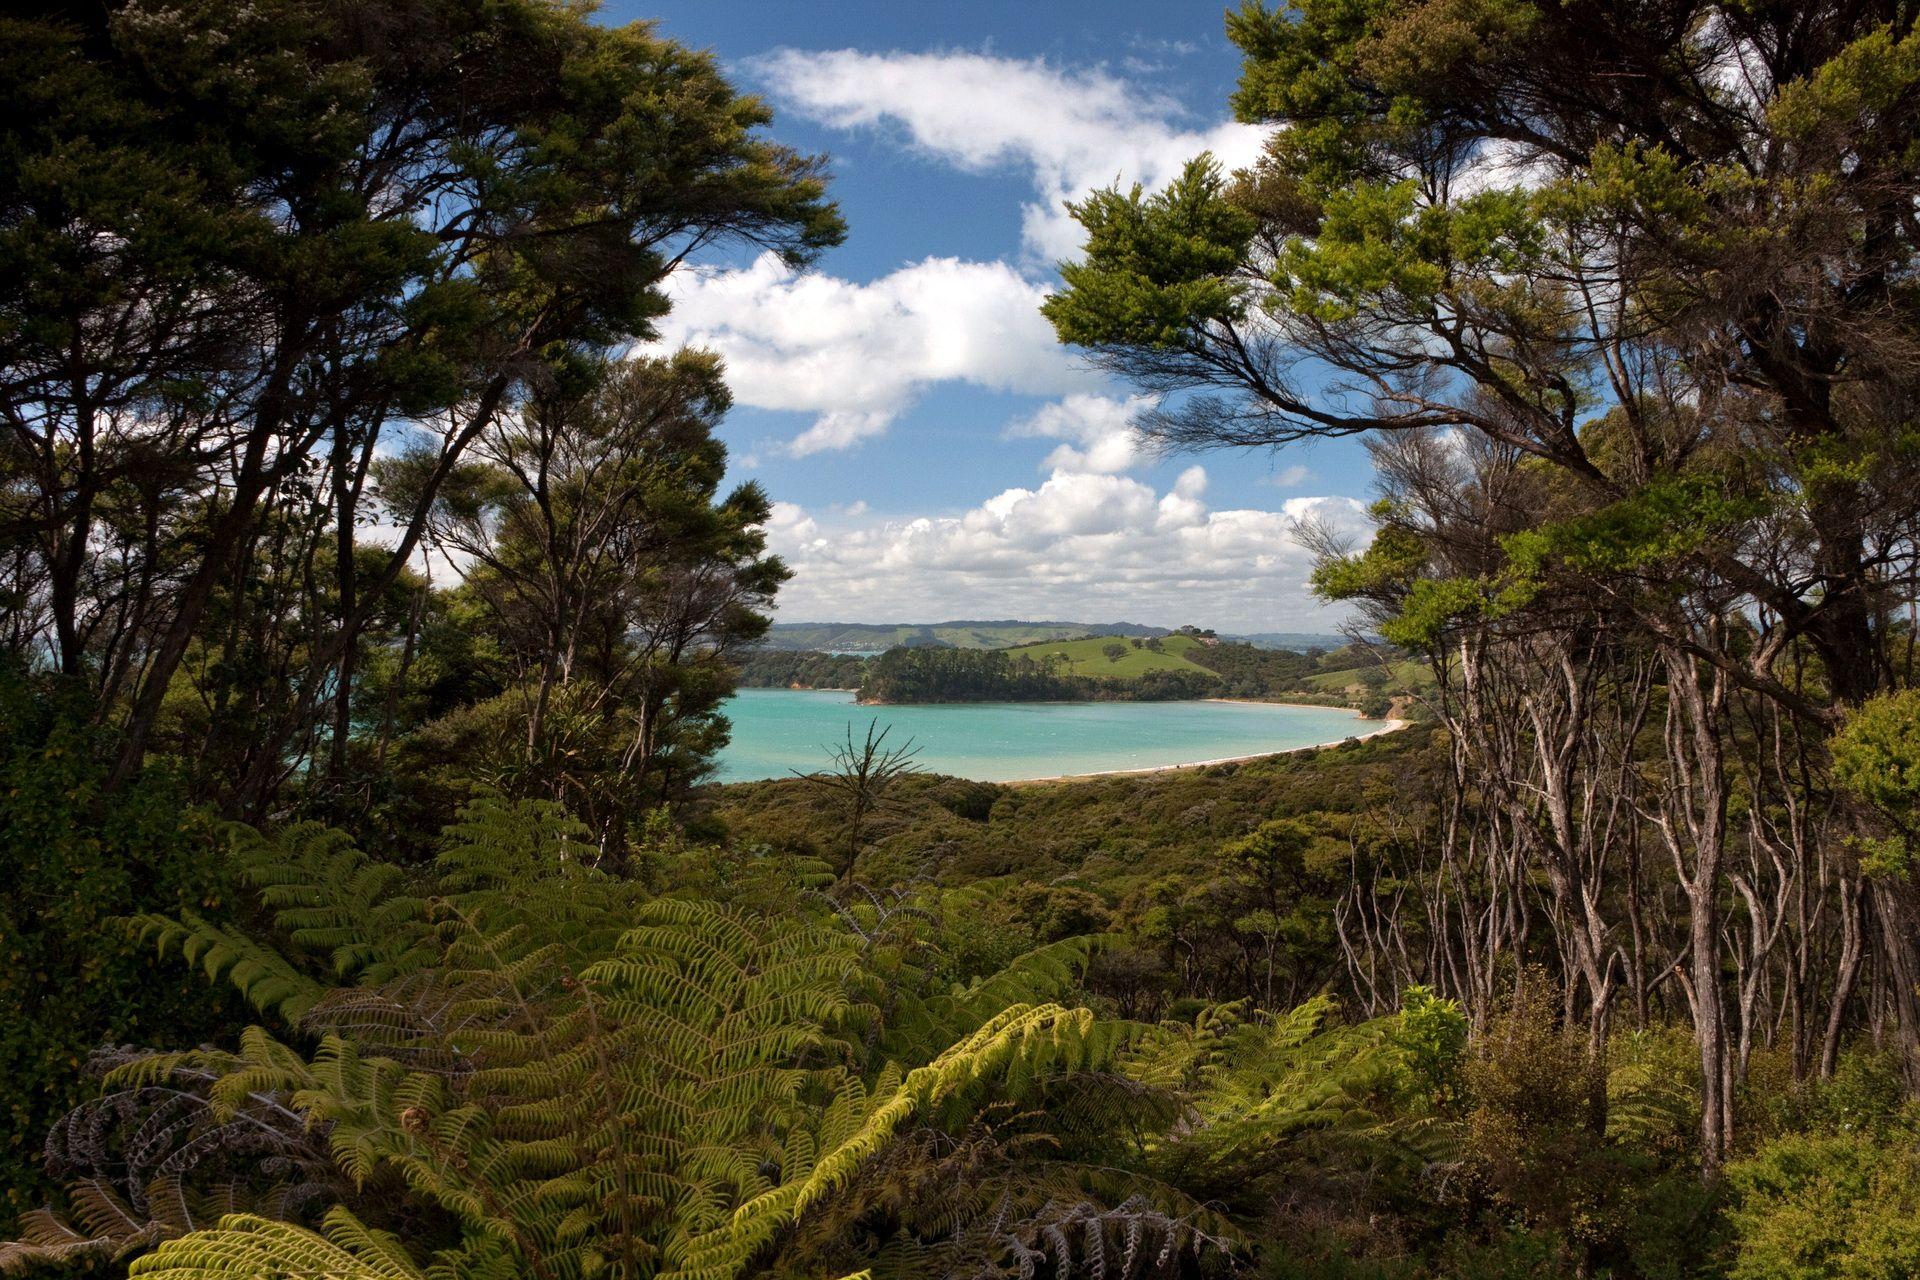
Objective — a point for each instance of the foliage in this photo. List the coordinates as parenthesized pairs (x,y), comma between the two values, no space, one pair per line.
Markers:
(1148,853)
(1841,1205)
(1433,1032)
(1877,757)
(565,1073)
(801,669)
(1155,263)
(75,859)
(1027,675)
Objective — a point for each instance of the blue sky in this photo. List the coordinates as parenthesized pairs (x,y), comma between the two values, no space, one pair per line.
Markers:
(933,452)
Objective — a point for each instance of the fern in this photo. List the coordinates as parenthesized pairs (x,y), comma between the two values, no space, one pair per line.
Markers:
(1045,973)
(268,981)
(1652,1100)
(583,1080)
(1260,1086)
(248,1246)
(331,899)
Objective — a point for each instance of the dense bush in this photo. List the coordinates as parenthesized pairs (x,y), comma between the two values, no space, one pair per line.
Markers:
(74,861)
(1837,1205)
(995,675)
(801,669)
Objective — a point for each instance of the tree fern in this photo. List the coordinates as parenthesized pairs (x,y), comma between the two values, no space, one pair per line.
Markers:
(1260,1085)
(331,899)
(154,1157)
(1051,972)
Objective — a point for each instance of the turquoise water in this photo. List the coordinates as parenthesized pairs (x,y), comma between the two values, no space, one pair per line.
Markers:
(777,731)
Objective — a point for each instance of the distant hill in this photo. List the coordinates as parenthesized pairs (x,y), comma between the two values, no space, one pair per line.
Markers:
(1088,657)
(874,637)
(1410,674)
(1298,641)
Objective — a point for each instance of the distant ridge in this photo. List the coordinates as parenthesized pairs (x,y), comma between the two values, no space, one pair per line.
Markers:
(992,633)
(964,633)
(1298,641)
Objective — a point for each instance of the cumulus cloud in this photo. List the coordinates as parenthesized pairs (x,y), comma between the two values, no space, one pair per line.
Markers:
(1081,544)
(1098,431)
(1072,130)
(857,355)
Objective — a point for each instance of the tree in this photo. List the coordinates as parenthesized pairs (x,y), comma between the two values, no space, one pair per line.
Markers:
(618,580)
(860,777)
(1666,296)
(243,243)
(1114,651)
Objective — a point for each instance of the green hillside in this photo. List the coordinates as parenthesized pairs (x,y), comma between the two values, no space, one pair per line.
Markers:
(867,637)
(1087,657)
(1405,675)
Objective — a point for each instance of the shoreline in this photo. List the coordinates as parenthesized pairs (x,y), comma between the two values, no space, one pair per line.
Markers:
(1062,702)
(1274,702)
(1390,725)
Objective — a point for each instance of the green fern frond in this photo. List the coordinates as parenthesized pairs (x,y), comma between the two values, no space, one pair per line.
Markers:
(263,976)
(1012,1048)
(333,900)
(246,1246)
(1047,973)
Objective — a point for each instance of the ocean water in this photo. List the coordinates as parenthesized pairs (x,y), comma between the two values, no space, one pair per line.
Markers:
(779,731)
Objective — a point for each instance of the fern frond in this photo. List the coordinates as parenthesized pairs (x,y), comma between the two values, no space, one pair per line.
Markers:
(248,1246)
(1047,973)
(1012,1048)
(262,975)
(49,1240)
(331,899)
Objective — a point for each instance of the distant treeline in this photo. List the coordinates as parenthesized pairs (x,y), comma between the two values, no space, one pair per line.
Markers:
(801,669)
(995,675)
(919,674)
(1250,672)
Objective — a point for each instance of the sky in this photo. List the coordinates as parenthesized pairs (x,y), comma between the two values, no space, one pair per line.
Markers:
(932,451)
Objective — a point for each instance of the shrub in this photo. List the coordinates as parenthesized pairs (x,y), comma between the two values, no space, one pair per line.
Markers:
(1836,1206)
(75,860)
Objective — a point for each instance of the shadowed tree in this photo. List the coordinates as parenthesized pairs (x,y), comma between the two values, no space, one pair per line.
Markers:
(242,243)
(860,776)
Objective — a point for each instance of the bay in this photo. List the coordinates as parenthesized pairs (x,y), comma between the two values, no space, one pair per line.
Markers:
(779,731)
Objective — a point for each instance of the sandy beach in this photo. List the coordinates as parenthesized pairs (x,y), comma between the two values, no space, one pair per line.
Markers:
(1392,725)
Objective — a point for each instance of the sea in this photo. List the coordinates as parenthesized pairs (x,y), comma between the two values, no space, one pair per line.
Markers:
(779,732)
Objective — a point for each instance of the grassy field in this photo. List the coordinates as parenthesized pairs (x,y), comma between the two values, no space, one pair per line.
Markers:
(1084,657)
(1406,675)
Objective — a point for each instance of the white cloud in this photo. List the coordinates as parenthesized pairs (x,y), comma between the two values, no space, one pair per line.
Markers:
(857,355)
(1072,130)
(1080,545)
(838,430)
(1290,477)
(1098,430)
